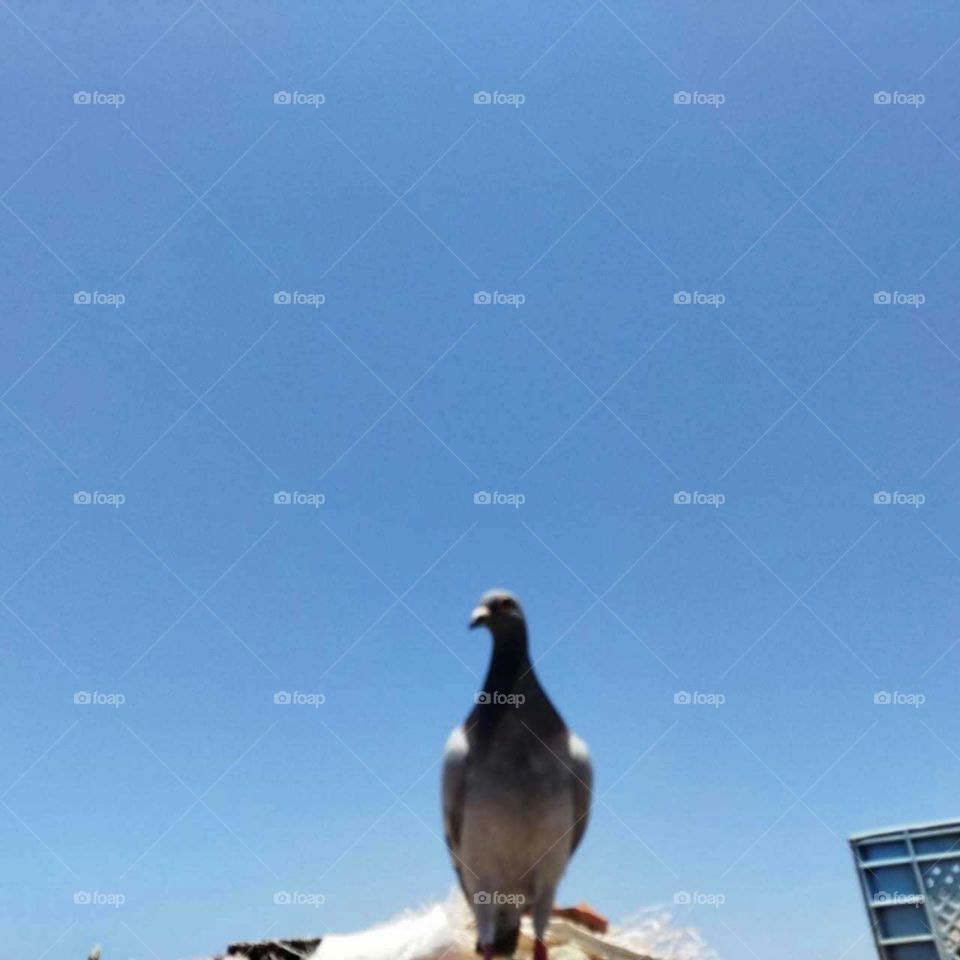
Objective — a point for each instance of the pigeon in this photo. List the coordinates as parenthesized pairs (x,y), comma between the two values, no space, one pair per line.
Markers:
(517,784)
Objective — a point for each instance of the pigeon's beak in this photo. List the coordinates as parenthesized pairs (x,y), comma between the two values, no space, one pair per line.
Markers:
(479,616)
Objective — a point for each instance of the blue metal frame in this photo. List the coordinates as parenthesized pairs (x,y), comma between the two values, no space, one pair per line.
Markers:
(910,880)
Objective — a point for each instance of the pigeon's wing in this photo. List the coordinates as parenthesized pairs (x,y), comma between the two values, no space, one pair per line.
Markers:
(582,770)
(455,757)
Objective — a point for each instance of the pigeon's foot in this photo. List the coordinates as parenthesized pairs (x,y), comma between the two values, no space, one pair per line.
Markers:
(539,950)
(488,952)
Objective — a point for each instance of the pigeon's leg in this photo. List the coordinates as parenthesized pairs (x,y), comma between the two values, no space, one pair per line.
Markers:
(542,909)
(485,913)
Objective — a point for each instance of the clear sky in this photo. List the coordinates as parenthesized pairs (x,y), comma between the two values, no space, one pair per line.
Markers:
(182,800)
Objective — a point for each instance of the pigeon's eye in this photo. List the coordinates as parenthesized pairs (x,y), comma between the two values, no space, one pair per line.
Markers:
(507,605)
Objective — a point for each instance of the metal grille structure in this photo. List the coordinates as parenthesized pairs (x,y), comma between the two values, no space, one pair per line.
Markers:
(910,879)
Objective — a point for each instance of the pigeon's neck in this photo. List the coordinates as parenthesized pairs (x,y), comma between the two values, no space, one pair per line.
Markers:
(510,664)
(512,695)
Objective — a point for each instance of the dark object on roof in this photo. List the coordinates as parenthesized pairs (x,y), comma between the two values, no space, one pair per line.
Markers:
(274,949)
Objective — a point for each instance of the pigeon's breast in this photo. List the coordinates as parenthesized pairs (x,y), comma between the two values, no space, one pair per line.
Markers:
(516,844)
(517,816)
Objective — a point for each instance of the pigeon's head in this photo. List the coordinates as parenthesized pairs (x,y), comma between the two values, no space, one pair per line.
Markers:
(499,610)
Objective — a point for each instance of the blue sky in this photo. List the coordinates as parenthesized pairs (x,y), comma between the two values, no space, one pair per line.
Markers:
(784,390)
